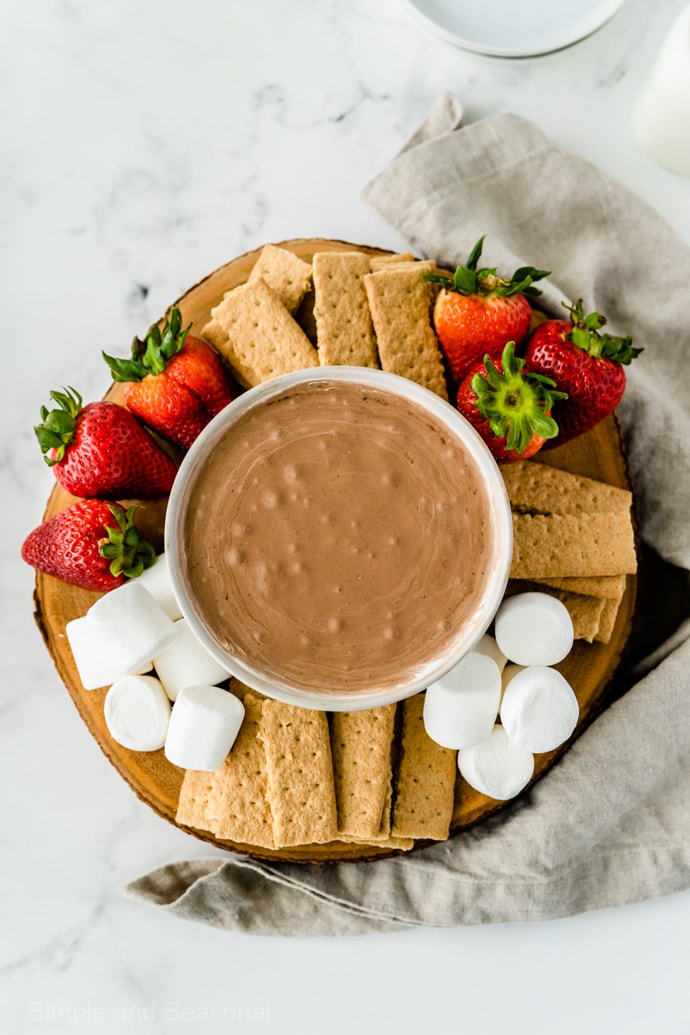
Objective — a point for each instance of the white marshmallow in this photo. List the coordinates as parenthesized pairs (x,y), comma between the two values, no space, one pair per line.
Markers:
(204,725)
(137,713)
(534,629)
(539,710)
(132,627)
(91,655)
(157,581)
(487,645)
(186,663)
(497,767)
(460,708)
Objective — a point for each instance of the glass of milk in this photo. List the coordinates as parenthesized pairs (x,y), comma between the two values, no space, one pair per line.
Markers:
(661,118)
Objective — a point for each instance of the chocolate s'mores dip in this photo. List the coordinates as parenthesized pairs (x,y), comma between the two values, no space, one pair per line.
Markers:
(337,537)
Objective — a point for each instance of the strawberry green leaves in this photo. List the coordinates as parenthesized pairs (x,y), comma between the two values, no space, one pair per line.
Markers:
(585,334)
(468,280)
(56,430)
(125,548)
(152,355)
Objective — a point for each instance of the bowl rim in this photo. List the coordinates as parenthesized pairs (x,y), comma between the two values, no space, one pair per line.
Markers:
(412,392)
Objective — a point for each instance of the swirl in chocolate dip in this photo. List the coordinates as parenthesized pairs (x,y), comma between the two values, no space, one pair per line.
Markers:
(337,537)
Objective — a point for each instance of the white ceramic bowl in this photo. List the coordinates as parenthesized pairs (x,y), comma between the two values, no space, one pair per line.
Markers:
(466,637)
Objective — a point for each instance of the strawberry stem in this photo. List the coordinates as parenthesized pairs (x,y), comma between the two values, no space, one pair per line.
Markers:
(152,355)
(468,280)
(516,403)
(126,549)
(585,334)
(57,427)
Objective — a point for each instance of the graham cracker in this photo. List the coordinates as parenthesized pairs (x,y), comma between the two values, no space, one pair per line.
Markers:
(299,771)
(384,833)
(535,487)
(386,815)
(379,262)
(240,800)
(425,786)
(400,302)
(575,545)
(607,621)
(402,844)
(585,611)
(361,748)
(193,804)
(345,333)
(404,264)
(285,273)
(608,587)
(257,336)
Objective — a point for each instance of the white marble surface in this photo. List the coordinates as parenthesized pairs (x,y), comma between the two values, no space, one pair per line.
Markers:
(144,145)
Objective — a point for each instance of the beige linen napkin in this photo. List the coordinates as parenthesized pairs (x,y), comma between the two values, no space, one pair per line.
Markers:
(610,823)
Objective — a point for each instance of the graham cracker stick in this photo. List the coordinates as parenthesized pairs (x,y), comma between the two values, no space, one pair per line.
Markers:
(345,334)
(193,805)
(585,611)
(285,273)
(607,621)
(425,786)
(361,748)
(576,545)
(608,587)
(256,335)
(535,487)
(240,801)
(299,770)
(386,817)
(402,844)
(400,302)
(402,264)
(379,262)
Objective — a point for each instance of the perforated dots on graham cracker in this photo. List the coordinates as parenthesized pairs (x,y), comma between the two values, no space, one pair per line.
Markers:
(299,772)
(400,302)
(241,803)
(535,487)
(257,336)
(574,538)
(425,785)
(361,748)
(344,330)
(562,545)
(193,804)
(285,273)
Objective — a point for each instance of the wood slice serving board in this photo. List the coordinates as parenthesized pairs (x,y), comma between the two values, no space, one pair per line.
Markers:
(589,667)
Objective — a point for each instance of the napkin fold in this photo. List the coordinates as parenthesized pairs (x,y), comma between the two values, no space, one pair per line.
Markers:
(610,823)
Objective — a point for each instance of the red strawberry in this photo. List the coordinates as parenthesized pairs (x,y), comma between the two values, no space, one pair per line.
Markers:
(585,364)
(101,450)
(510,407)
(92,544)
(477,312)
(174,382)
